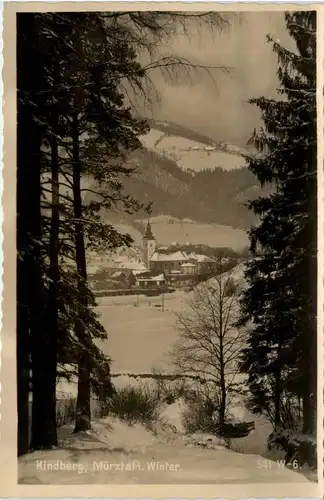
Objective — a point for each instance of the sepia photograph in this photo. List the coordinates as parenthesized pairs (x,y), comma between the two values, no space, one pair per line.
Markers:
(166,232)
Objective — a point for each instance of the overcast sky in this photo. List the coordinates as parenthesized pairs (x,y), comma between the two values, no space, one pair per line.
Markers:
(224,113)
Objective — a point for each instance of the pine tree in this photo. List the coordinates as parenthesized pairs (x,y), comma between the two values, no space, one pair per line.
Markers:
(101,130)
(280,302)
(104,132)
(71,70)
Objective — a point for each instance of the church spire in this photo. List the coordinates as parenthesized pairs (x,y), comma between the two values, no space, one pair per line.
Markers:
(148,235)
(149,244)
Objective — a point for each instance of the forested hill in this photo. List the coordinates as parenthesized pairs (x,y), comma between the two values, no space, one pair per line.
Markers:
(187,175)
(209,195)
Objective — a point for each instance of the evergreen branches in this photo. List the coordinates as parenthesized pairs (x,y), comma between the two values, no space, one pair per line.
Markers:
(280,302)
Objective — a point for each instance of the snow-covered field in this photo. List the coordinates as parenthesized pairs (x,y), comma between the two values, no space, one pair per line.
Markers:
(139,333)
(113,452)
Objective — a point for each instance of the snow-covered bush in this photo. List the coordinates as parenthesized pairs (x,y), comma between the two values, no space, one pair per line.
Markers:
(133,404)
(198,416)
(171,390)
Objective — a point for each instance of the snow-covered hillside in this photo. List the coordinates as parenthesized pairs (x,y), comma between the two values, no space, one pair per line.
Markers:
(188,176)
(166,452)
(193,155)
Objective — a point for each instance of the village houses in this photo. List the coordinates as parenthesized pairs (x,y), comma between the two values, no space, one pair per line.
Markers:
(176,266)
(156,267)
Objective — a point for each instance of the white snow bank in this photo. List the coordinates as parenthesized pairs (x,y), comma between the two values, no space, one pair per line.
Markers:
(117,434)
(173,415)
(114,453)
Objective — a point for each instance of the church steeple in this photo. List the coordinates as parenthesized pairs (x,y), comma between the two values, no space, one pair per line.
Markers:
(148,235)
(148,244)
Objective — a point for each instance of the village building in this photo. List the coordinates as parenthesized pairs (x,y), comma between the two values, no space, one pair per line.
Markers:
(188,268)
(178,266)
(155,268)
(148,281)
(167,262)
(125,277)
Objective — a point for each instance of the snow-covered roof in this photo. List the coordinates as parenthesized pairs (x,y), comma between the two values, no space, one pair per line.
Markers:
(132,264)
(139,271)
(117,274)
(172,257)
(202,258)
(179,256)
(160,277)
(188,264)
(189,255)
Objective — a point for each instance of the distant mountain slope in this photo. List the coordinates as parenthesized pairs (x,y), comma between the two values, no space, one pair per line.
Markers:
(191,150)
(214,195)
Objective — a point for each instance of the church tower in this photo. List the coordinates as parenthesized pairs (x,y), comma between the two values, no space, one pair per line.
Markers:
(148,244)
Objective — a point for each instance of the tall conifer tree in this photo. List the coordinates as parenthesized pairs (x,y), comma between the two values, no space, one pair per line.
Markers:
(71,69)
(280,302)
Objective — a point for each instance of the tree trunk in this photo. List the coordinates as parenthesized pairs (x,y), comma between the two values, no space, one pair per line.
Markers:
(54,276)
(54,273)
(23,218)
(44,431)
(83,410)
(43,348)
(30,81)
(222,408)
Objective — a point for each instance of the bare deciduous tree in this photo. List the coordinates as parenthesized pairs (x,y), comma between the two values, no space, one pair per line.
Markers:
(210,342)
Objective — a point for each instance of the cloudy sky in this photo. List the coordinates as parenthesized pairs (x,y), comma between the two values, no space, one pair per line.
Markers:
(223,112)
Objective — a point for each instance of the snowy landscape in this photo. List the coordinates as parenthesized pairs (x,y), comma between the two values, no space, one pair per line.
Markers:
(163,452)
(166,332)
